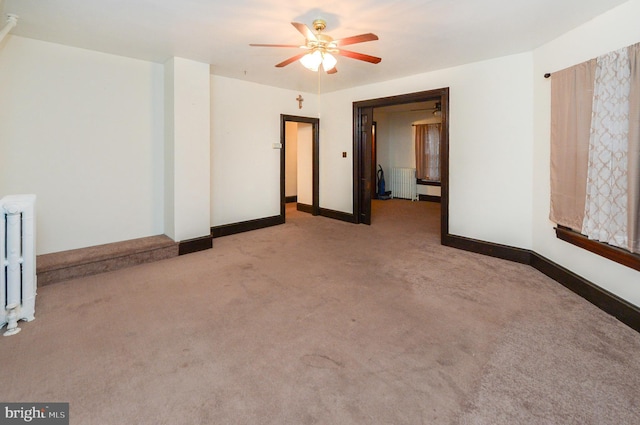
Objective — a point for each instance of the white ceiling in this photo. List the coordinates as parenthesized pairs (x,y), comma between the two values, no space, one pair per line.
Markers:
(416,36)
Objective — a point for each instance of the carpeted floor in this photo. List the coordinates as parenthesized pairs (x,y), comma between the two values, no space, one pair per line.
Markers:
(323,322)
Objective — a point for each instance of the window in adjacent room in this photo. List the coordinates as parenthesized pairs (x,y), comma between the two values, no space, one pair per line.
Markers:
(427,143)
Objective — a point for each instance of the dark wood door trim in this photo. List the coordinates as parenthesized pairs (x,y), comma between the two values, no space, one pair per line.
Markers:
(442,95)
(365,172)
(315,123)
(374,161)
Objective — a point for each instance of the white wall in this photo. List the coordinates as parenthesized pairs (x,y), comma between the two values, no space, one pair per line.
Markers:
(84,132)
(382,141)
(402,151)
(299,161)
(291,159)
(187,149)
(610,31)
(491,111)
(305,163)
(336,134)
(245,168)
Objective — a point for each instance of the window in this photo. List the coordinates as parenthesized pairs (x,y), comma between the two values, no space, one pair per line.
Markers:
(595,150)
(427,141)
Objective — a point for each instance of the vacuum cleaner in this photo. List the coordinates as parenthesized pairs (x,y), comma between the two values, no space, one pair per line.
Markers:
(382,194)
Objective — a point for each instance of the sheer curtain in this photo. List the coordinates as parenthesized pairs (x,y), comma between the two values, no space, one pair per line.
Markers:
(605,216)
(634,150)
(427,141)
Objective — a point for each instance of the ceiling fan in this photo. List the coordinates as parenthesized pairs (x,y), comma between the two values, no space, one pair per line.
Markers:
(319,48)
(436,110)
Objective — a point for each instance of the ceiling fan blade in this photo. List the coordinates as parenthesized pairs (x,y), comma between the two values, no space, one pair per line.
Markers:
(359,56)
(273,45)
(356,39)
(290,60)
(305,30)
(332,70)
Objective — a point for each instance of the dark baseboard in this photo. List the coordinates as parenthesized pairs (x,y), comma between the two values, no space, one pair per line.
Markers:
(305,208)
(488,248)
(260,223)
(338,215)
(245,226)
(290,199)
(429,198)
(606,301)
(195,245)
(617,307)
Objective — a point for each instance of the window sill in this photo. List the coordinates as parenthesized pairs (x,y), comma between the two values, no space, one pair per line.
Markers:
(428,182)
(610,252)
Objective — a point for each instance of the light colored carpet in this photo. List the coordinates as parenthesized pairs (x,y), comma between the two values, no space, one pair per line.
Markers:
(323,322)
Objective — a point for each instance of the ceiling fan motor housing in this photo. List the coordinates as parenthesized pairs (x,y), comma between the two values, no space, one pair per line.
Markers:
(319,25)
(322,42)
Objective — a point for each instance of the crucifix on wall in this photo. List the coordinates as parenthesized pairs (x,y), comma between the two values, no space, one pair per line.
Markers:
(300,100)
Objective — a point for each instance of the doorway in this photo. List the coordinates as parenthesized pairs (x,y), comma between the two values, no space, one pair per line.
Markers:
(364,174)
(302,134)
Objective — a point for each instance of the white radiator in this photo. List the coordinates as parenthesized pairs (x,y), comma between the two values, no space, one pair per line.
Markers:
(403,183)
(18,260)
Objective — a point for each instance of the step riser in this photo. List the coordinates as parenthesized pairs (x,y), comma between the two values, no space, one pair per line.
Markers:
(95,260)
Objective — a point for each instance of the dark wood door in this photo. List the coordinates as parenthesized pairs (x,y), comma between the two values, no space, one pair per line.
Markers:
(365,164)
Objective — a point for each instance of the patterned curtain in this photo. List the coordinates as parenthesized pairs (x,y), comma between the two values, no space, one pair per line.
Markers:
(427,143)
(605,217)
(634,150)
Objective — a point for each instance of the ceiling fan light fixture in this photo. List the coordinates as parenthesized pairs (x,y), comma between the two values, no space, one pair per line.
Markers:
(328,62)
(312,60)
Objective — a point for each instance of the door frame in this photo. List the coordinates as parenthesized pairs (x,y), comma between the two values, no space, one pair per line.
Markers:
(315,123)
(443,95)
(374,160)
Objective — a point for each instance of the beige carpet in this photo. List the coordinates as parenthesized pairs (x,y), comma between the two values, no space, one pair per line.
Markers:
(323,322)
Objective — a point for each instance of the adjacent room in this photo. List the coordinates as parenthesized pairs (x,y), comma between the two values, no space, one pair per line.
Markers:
(194,231)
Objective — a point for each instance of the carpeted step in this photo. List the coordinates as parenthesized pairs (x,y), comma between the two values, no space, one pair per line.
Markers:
(65,265)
